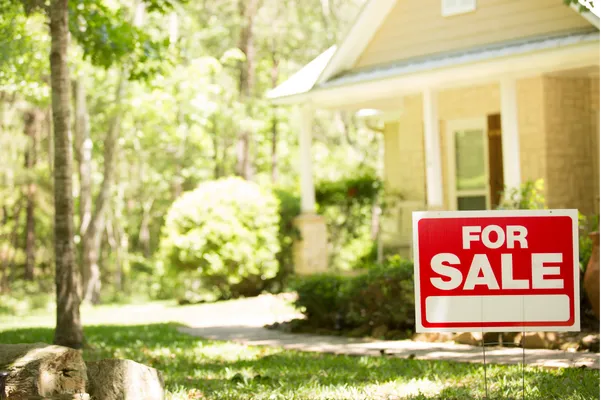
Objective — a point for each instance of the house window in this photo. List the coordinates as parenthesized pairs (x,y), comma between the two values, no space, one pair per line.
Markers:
(468,166)
(454,7)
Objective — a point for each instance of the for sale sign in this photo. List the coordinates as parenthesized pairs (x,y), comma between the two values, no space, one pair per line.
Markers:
(496,270)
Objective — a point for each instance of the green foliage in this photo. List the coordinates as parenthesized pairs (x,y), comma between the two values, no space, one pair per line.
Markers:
(179,123)
(289,210)
(347,205)
(529,196)
(323,298)
(581,8)
(383,295)
(586,225)
(26,297)
(224,234)
(108,37)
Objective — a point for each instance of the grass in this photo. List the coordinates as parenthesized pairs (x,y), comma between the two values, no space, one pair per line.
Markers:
(204,369)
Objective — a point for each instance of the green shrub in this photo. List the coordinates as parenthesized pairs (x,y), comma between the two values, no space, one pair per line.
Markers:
(347,205)
(224,237)
(586,225)
(289,209)
(323,298)
(383,295)
(529,196)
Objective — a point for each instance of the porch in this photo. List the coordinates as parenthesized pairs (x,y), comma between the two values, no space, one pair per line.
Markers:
(528,109)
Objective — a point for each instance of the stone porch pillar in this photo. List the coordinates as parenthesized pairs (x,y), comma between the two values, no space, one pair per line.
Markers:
(310,250)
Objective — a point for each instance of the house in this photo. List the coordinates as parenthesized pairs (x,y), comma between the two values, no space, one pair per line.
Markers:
(474,95)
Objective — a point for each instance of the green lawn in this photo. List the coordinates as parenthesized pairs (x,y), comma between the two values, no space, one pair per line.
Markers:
(204,369)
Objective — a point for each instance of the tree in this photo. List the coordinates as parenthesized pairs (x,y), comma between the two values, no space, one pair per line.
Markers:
(32,121)
(68,331)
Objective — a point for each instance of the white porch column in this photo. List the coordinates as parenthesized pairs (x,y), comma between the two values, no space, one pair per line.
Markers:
(510,134)
(434,192)
(311,248)
(306,161)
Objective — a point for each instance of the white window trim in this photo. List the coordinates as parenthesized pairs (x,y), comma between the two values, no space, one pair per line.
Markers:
(450,128)
(464,6)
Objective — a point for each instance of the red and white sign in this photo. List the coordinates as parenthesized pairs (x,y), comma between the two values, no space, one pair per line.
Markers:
(496,271)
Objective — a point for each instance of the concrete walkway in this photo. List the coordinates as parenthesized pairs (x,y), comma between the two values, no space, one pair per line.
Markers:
(258,336)
(242,321)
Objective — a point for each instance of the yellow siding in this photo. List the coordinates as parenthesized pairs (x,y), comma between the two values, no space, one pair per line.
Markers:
(417,28)
(531,125)
(572,149)
(410,161)
(594,88)
(594,91)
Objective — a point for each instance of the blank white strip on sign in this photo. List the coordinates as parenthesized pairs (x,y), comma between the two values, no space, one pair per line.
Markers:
(530,308)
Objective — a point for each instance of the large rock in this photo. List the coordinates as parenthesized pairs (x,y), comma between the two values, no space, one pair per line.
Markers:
(471,338)
(533,340)
(124,380)
(590,343)
(44,371)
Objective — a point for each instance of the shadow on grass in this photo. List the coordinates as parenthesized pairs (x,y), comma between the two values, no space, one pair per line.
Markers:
(228,370)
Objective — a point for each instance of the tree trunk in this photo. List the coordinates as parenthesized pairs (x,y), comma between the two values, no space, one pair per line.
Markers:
(248,10)
(144,237)
(274,122)
(91,239)
(50,133)
(9,249)
(68,324)
(83,154)
(32,119)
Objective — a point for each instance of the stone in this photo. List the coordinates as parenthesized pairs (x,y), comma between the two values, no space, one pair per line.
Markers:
(124,380)
(508,337)
(570,346)
(379,331)
(471,338)
(492,338)
(590,342)
(433,337)
(44,371)
(532,340)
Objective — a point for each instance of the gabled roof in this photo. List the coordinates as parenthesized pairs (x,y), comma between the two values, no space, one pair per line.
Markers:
(330,68)
(337,58)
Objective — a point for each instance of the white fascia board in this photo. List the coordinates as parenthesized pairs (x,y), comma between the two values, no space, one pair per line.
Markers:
(589,16)
(586,54)
(358,37)
(304,79)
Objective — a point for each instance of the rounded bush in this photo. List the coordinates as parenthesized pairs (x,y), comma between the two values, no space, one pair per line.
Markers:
(224,233)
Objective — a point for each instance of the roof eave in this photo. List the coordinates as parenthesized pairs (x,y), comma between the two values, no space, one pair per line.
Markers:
(589,16)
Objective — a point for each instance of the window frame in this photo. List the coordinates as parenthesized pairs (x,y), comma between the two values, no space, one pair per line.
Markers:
(451,127)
